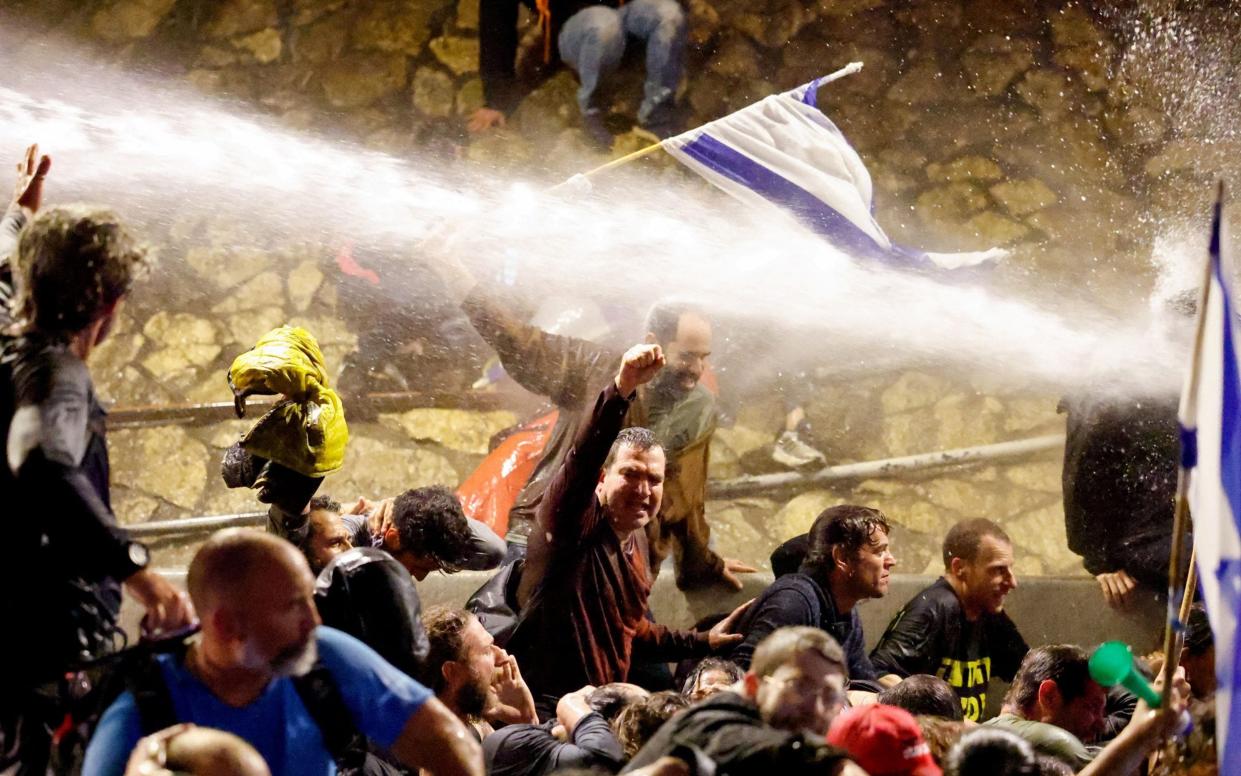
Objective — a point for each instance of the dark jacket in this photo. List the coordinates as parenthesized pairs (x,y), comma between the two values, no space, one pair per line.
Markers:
(532,750)
(366,593)
(485,552)
(587,618)
(570,372)
(728,729)
(1119,482)
(930,635)
(68,559)
(497,41)
(798,599)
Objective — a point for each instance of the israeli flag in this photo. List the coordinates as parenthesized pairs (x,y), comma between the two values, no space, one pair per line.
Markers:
(1210,418)
(782,153)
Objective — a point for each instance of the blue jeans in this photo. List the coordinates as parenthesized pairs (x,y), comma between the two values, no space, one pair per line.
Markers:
(592,42)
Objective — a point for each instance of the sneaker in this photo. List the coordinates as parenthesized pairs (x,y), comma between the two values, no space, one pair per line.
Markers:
(792,452)
(664,121)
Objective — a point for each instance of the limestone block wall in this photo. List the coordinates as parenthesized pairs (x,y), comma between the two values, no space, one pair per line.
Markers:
(1067,132)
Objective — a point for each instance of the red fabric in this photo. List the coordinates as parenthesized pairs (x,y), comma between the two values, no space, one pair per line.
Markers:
(489,493)
(884,740)
(350,266)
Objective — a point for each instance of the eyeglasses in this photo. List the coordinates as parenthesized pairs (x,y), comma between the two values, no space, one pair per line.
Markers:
(806,687)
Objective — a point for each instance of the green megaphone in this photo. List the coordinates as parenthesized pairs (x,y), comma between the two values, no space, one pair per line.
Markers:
(1112,664)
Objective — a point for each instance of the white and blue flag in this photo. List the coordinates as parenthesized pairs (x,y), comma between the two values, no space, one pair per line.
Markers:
(1210,419)
(783,153)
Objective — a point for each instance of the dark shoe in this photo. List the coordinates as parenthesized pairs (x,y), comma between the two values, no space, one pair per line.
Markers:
(665,121)
(596,130)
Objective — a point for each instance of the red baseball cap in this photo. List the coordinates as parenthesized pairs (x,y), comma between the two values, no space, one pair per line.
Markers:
(884,740)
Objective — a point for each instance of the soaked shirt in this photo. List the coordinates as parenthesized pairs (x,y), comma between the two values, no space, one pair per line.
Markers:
(931,635)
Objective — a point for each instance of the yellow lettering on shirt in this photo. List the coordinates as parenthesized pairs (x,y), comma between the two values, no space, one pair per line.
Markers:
(969,678)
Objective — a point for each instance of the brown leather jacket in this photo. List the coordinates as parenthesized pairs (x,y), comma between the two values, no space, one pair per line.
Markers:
(570,372)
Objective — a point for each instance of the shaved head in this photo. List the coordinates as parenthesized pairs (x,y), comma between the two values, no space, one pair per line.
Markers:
(230,562)
(255,596)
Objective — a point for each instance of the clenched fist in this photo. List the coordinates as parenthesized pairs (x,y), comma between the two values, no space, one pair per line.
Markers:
(639,365)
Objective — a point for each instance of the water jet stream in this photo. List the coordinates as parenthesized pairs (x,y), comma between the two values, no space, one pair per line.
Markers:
(161,154)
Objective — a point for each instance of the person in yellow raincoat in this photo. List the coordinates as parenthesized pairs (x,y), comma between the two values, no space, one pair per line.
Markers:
(286,454)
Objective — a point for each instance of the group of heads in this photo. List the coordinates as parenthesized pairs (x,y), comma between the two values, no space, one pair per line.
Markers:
(425,530)
(631,484)
(850,549)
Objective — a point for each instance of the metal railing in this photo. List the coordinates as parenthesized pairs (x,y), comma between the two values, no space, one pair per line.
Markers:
(716,489)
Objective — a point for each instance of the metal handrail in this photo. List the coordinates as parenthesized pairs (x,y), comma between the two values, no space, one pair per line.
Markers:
(188,525)
(740,486)
(887,467)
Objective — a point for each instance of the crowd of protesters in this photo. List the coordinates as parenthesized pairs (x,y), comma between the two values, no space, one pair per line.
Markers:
(306,648)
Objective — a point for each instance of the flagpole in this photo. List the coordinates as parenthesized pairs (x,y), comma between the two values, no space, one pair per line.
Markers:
(1191,585)
(626,159)
(1173,637)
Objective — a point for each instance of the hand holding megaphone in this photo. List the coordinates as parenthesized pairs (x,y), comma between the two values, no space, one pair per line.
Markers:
(1112,664)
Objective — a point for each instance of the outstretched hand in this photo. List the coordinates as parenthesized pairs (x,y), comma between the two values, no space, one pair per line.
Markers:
(28,194)
(640,364)
(484,119)
(722,634)
(733,567)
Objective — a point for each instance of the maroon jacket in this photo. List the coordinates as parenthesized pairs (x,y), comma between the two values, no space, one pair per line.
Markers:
(588,612)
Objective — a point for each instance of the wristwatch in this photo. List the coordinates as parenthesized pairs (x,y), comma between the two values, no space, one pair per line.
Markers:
(139,555)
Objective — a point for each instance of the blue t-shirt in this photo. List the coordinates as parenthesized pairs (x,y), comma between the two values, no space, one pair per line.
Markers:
(380,698)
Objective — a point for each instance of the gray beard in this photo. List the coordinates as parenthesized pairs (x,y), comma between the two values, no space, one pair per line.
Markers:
(298,663)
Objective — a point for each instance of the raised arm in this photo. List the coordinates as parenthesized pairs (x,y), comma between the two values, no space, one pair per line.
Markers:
(27,196)
(564,369)
(572,488)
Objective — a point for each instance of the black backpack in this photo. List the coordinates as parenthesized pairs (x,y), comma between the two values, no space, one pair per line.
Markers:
(317,689)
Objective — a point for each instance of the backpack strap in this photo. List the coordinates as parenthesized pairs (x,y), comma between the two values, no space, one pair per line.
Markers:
(145,681)
(323,701)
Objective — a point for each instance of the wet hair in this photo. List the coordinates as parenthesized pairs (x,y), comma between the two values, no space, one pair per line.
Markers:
(990,752)
(783,645)
(638,721)
(320,503)
(940,735)
(446,635)
(664,319)
(431,523)
(1198,635)
(965,539)
(324,503)
(609,700)
(848,526)
(733,670)
(924,694)
(71,264)
(636,438)
(1064,664)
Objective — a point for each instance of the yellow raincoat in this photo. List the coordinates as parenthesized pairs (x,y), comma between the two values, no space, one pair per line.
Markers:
(306,432)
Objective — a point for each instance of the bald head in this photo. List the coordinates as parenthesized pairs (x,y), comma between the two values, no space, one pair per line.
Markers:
(255,597)
(230,563)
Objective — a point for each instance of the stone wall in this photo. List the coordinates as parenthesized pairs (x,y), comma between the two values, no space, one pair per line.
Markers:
(1041,125)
